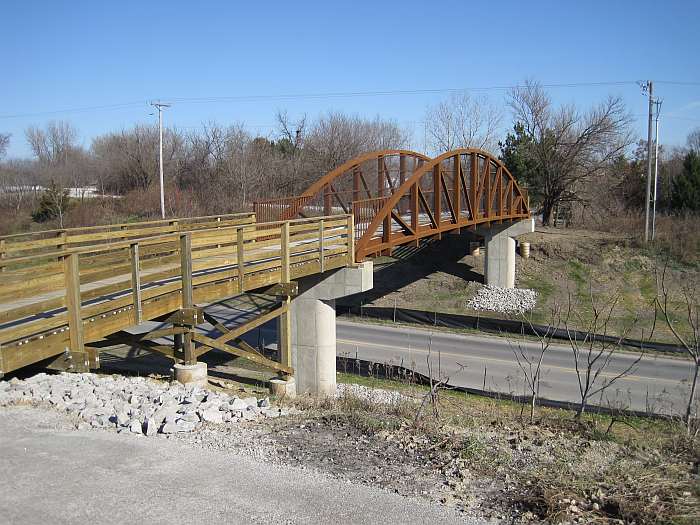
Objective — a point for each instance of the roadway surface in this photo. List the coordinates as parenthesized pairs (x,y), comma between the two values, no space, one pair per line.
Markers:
(52,474)
(655,384)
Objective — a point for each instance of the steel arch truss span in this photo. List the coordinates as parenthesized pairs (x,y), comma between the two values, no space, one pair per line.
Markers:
(459,189)
(369,177)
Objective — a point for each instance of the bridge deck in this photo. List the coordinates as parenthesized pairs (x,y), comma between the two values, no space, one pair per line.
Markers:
(122,283)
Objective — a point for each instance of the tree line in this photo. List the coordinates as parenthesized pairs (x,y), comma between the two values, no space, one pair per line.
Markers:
(574,162)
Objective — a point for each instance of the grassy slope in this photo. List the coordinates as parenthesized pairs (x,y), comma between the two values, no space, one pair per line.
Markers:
(564,265)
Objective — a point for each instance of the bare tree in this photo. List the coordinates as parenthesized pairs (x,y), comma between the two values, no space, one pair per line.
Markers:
(685,329)
(54,145)
(594,352)
(557,150)
(462,122)
(693,140)
(530,362)
(4,143)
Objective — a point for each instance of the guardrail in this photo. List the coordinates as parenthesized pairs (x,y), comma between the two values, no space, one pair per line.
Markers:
(48,242)
(47,307)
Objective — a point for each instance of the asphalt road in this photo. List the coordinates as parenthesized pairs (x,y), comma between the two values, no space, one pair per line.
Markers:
(656,383)
(51,474)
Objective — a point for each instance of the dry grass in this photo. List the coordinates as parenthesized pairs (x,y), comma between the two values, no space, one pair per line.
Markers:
(600,470)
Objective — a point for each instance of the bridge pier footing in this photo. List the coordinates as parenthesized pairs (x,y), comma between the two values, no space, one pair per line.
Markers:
(499,262)
(313,338)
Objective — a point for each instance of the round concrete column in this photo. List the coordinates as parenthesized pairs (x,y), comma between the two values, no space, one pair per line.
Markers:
(499,263)
(325,358)
(195,374)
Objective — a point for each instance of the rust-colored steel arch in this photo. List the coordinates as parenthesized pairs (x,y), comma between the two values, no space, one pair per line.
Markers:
(374,175)
(458,189)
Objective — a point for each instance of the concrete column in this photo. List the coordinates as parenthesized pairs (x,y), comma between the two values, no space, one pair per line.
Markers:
(499,262)
(313,325)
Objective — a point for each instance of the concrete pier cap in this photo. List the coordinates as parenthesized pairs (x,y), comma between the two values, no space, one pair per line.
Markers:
(499,263)
(313,335)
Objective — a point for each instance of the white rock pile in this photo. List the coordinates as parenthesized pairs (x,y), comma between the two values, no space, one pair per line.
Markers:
(134,404)
(504,300)
(371,395)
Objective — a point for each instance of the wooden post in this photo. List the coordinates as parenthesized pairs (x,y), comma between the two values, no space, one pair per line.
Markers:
(285,323)
(321,260)
(351,240)
(187,296)
(63,239)
(136,282)
(3,255)
(240,259)
(380,177)
(356,184)
(71,268)
(284,253)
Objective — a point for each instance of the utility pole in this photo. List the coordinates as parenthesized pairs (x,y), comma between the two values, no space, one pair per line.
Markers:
(650,93)
(657,103)
(160,106)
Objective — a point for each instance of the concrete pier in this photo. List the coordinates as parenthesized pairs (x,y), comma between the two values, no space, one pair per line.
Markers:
(499,263)
(312,321)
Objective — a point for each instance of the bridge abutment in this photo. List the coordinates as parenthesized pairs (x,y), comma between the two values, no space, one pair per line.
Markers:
(312,319)
(499,261)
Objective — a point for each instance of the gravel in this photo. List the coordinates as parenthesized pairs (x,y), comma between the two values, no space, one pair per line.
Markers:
(504,300)
(371,395)
(134,404)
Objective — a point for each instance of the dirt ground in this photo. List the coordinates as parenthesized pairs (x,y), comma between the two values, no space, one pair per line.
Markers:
(565,267)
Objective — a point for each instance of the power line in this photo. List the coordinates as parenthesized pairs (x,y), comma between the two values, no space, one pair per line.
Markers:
(313,96)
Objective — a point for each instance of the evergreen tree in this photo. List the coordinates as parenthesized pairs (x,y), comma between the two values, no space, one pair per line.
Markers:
(685,195)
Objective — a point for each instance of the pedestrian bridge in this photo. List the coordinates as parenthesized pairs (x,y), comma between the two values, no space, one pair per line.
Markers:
(61,291)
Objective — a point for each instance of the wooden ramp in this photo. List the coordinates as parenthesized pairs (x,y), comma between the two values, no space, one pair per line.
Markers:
(61,292)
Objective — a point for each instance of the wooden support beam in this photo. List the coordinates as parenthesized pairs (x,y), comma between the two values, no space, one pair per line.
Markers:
(260,320)
(380,177)
(71,268)
(187,292)
(240,259)
(251,356)
(136,282)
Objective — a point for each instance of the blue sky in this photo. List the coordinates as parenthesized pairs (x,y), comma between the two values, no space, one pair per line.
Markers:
(58,55)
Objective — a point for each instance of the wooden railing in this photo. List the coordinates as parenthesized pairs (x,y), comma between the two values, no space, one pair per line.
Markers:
(49,306)
(49,242)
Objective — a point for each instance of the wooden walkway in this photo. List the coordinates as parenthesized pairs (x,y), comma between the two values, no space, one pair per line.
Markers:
(61,291)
